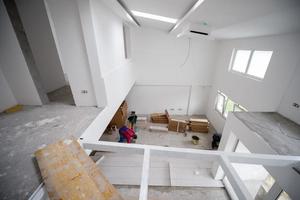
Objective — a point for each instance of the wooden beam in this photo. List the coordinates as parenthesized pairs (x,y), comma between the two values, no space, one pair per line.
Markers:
(186,15)
(145,176)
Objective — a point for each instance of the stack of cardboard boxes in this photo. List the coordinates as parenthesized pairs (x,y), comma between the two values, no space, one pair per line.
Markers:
(120,117)
(177,125)
(199,125)
(161,118)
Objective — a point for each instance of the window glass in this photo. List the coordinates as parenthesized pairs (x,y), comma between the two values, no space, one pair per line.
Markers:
(259,63)
(241,60)
(229,107)
(220,103)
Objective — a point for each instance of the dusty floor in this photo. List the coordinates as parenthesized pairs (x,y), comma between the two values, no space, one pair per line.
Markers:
(62,95)
(174,193)
(170,138)
(22,133)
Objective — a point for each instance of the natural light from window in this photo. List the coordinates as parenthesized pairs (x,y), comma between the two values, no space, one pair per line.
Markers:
(224,105)
(259,63)
(154,17)
(241,60)
(251,62)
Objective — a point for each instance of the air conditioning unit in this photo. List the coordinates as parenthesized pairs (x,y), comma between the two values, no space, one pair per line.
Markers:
(199,30)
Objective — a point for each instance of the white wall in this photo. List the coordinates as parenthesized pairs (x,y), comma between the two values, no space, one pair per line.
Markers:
(292,95)
(42,43)
(7,99)
(13,64)
(162,79)
(255,95)
(65,20)
(115,70)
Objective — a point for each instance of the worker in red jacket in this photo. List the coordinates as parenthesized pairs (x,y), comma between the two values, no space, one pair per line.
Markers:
(126,133)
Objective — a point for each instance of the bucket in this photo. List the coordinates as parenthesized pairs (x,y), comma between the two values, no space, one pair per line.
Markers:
(195,139)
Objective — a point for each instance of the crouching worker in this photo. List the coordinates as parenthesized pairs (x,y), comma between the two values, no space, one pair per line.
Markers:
(126,134)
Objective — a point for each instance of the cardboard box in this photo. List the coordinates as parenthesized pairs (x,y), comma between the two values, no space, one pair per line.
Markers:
(120,117)
(177,125)
(162,118)
(199,125)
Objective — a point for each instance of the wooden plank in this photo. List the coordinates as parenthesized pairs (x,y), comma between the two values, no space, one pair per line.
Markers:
(69,173)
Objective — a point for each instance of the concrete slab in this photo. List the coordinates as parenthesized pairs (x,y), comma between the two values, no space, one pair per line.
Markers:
(22,133)
(282,134)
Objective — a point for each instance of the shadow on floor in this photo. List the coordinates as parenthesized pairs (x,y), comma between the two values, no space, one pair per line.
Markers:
(62,95)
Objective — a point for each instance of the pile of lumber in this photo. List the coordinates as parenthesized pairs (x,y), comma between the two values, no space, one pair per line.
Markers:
(69,173)
(177,125)
(161,118)
(199,125)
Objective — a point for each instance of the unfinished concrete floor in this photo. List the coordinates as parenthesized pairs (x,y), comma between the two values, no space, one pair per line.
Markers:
(174,193)
(22,133)
(62,95)
(170,138)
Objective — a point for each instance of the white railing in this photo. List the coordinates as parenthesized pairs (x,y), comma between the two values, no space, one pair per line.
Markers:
(224,159)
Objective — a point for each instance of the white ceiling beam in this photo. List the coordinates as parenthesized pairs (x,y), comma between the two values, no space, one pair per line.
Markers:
(186,15)
(128,13)
(120,8)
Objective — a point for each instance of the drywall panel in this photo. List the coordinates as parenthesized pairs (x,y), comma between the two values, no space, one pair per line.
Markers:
(172,73)
(7,99)
(66,23)
(13,64)
(162,58)
(178,100)
(42,43)
(255,95)
(117,72)
(146,99)
(109,37)
(291,96)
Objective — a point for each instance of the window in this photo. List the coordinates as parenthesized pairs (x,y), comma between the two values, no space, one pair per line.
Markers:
(224,105)
(220,103)
(259,63)
(251,62)
(240,62)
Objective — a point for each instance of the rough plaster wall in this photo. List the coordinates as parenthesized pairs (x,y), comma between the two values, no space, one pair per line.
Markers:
(42,43)
(13,64)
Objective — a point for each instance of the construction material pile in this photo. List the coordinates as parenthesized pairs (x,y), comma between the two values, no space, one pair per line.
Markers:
(199,125)
(161,118)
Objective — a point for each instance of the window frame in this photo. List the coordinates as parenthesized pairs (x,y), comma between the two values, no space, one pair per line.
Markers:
(234,51)
(224,102)
(226,98)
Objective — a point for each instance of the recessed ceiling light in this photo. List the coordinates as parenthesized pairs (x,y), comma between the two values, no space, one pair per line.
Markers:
(155,17)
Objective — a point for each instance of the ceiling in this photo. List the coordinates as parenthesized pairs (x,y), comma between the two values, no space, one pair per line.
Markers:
(226,18)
